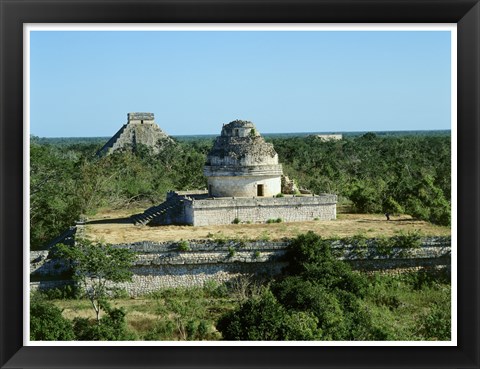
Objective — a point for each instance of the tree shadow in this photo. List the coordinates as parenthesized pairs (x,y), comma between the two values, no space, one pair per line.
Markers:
(388,221)
(111,221)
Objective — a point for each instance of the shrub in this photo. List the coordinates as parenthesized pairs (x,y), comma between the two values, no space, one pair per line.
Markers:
(236,221)
(214,289)
(265,237)
(297,294)
(111,327)
(264,319)
(163,330)
(71,291)
(436,324)
(408,240)
(47,322)
(183,246)
(279,195)
(231,251)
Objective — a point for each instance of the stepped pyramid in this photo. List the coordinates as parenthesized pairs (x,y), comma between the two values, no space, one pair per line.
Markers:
(140,129)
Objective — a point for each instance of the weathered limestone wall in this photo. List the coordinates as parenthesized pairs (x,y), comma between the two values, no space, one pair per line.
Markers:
(244,186)
(259,210)
(161,265)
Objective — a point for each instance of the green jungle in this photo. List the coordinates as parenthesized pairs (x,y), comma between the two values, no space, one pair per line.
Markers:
(316,298)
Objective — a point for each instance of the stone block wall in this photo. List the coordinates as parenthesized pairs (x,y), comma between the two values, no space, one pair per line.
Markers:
(164,265)
(259,210)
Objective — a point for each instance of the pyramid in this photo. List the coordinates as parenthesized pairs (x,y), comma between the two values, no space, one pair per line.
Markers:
(140,129)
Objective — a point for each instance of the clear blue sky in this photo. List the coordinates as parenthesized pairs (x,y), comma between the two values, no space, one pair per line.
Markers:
(83,83)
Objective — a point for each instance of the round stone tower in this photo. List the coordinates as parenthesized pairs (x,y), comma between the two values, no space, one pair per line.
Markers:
(242,164)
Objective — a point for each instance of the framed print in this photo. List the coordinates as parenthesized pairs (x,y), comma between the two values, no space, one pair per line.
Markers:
(243,172)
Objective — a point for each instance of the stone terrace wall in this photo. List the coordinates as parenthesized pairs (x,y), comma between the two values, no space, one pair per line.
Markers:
(161,265)
(259,210)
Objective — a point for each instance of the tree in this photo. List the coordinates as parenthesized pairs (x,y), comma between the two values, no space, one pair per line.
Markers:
(54,204)
(263,318)
(96,266)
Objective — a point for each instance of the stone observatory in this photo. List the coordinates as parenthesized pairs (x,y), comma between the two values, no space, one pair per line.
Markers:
(242,164)
(140,129)
(244,186)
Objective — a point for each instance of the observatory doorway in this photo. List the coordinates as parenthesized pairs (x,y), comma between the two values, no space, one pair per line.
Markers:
(260,190)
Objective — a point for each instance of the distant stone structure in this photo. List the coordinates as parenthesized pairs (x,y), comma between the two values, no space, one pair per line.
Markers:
(244,185)
(329,137)
(140,129)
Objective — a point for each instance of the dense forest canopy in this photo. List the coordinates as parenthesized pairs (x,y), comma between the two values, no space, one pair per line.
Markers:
(408,174)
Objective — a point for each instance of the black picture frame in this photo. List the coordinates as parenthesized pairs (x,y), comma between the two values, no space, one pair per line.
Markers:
(14,13)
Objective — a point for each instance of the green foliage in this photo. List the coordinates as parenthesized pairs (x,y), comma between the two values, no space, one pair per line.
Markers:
(264,319)
(47,322)
(182,313)
(67,180)
(436,324)
(183,246)
(264,236)
(214,289)
(317,288)
(96,264)
(236,221)
(280,195)
(54,204)
(277,220)
(231,251)
(61,293)
(406,174)
(111,327)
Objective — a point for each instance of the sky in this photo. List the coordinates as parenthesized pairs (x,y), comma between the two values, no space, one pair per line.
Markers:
(83,83)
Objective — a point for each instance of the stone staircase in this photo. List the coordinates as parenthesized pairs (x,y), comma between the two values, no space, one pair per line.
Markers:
(151,213)
(111,142)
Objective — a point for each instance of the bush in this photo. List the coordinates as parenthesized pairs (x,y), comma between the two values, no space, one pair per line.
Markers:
(71,291)
(112,327)
(214,289)
(236,221)
(436,325)
(264,319)
(163,330)
(231,251)
(183,246)
(47,322)
(297,294)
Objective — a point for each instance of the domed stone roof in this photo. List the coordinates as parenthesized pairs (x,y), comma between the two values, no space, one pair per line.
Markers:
(242,164)
(240,144)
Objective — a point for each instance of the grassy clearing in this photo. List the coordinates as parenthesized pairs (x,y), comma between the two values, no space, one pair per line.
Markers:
(169,314)
(346,225)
